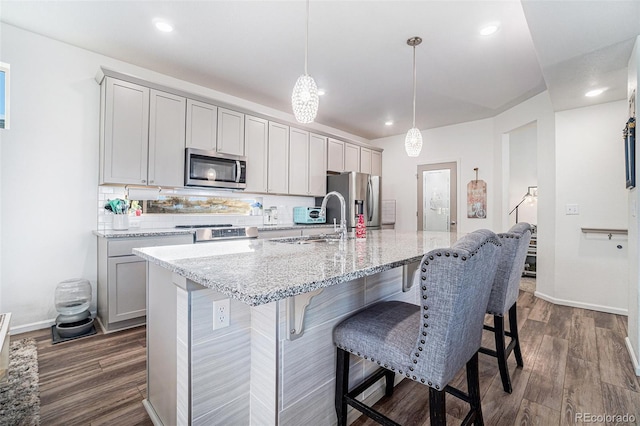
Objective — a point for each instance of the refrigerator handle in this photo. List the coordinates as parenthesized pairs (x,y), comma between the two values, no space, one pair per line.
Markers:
(369,201)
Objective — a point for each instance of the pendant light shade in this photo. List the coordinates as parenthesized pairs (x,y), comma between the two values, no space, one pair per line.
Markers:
(413,140)
(305,99)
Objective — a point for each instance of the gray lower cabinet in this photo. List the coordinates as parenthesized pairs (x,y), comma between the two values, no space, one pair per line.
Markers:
(122,278)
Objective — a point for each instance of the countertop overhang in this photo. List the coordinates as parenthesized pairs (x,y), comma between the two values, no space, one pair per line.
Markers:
(261,271)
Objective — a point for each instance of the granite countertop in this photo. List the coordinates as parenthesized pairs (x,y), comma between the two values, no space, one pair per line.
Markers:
(154,232)
(262,271)
(143,232)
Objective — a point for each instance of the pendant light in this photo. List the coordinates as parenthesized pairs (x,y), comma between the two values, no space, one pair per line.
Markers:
(413,140)
(304,98)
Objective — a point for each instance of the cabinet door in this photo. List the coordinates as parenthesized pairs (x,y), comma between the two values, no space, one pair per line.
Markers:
(351,158)
(317,165)
(278,171)
(335,155)
(256,135)
(230,132)
(298,162)
(166,139)
(127,288)
(365,160)
(126,133)
(376,163)
(202,125)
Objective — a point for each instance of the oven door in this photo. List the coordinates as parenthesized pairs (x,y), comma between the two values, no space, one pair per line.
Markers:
(213,169)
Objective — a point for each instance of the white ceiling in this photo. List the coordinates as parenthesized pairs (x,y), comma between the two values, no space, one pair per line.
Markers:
(358,51)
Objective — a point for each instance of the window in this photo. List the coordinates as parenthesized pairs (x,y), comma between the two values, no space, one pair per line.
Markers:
(4,95)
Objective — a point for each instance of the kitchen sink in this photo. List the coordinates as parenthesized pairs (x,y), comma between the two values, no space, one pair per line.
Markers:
(311,239)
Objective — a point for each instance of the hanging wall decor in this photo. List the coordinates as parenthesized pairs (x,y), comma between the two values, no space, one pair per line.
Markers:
(477,198)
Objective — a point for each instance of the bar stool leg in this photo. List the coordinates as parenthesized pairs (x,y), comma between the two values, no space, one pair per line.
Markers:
(342,385)
(498,323)
(389,378)
(473,386)
(513,328)
(437,408)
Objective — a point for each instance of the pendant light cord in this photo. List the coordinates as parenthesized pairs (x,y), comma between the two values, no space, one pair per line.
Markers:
(306,42)
(414,86)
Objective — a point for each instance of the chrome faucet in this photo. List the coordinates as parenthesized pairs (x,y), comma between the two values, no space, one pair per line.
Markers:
(343,215)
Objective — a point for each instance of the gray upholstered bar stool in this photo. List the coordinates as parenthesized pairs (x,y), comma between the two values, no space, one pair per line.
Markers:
(430,342)
(504,295)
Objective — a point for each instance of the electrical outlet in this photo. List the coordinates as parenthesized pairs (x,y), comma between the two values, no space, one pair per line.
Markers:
(572,209)
(221,314)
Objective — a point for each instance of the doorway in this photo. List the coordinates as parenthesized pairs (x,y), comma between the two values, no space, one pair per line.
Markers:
(438,197)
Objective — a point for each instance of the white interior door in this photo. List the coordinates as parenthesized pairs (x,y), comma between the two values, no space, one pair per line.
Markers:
(437,197)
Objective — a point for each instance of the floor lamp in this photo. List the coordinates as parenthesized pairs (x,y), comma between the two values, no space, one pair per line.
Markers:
(532,192)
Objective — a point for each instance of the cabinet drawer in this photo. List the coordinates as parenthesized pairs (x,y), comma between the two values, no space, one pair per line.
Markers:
(123,247)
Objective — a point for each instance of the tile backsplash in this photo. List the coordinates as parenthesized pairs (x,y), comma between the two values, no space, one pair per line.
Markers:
(285,205)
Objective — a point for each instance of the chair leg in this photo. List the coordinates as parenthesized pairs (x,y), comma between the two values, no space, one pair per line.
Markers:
(389,378)
(437,408)
(501,352)
(473,386)
(342,385)
(513,328)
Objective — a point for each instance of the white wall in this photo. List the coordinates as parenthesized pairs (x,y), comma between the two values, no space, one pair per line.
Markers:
(469,144)
(523,173)
(539,110)
(49,168)
(633,341)
(590,172)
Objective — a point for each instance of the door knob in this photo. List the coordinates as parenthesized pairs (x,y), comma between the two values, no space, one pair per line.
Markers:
(453,223)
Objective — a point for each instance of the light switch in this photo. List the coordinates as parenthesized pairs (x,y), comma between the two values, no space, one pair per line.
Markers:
(572,209)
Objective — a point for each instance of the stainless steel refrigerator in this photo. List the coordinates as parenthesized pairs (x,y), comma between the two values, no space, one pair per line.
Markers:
(361,193)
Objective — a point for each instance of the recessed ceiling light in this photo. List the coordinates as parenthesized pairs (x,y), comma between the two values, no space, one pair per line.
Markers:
(163,26)
(594,92)
(321,92)
(489,29)
(388,123)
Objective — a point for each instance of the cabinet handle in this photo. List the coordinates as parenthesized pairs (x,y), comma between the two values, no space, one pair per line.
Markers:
(144,181)
(150,181)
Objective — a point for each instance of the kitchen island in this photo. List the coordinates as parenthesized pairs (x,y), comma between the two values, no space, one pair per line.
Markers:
(274,363)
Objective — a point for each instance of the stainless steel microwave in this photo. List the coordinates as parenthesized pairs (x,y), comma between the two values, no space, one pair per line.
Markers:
(214,170)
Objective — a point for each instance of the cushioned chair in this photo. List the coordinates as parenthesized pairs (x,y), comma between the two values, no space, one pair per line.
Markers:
(504,295)
(430,342)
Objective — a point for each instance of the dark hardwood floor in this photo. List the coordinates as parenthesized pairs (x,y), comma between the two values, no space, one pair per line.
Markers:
(96,380)
(575,361)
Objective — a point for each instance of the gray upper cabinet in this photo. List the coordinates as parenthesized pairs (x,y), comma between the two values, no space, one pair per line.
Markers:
(230,132)
(351,158)
(298,162)
(376,163)
(124,132)
(317,165)
(335,155)
(365,160)
(202,125)
(256,135)
(142,135)
(166,139)
(278,170)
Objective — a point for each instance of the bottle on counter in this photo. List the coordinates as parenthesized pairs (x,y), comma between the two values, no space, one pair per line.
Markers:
(361,227)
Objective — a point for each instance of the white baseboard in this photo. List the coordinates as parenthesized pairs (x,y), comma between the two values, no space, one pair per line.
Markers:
(37,325)
(32,327)
(152,413)
(632,354)
(574,304)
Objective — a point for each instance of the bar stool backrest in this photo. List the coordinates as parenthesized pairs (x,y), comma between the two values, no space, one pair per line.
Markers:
(455,284)
(513,253)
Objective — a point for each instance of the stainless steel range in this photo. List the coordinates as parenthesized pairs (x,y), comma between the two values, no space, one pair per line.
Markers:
(209,233)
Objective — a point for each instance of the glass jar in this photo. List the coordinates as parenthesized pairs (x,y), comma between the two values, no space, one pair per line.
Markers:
(73,296)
